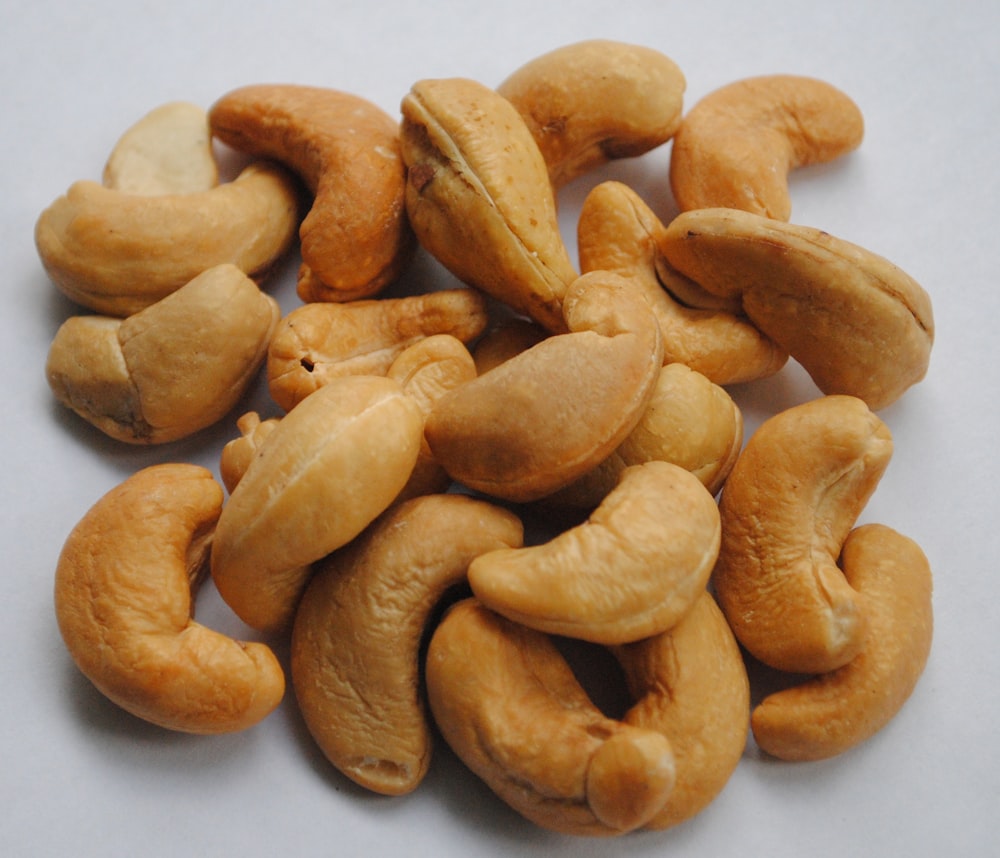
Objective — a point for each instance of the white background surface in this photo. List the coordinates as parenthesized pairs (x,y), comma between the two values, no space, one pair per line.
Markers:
(79,777)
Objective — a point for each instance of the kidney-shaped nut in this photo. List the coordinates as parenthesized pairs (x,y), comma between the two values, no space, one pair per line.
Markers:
(358,632)
(168,151)
(543,418)
(325,472)
(736,146)
(509,706)
(618,232)
(479,198)
(320,341)
(836,711)
(169,370)
(795,493)
(123,601)
(631,570)
(858,324)
(594,101)
(355,238)
(238,453)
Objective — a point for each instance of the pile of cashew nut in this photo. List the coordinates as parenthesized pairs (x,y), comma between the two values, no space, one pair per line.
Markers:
(379,520)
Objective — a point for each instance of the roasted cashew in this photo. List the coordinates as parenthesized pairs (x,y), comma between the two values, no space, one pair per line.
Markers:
(355,238)
(543,418)
(858,324)
(510,707)
(329,468)
(509,337)
(631,570)
(735,147)
(123,596)
(479,197)
(355,655)
(836,711)
(171,369)
(796,490)
(238,453)
(594,101)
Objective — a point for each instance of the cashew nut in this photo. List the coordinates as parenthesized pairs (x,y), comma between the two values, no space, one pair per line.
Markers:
(355,238)
(355,660)
(594,101)
(171,369)
(123,596)
(238,453)
(736,146)
(509,337)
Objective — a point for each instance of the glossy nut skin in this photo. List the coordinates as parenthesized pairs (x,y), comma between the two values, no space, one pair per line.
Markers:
(356,642)
(834,712)
(123,601)
(170,370)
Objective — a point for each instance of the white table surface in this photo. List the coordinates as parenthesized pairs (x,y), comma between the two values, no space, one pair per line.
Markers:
(79,777)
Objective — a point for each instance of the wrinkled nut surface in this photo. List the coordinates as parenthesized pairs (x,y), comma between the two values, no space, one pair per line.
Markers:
(317,342)
(479,198)
(837,711)
(594,101)
(328,469)
(631,570)
(169,370)
(356,643)
(618,232)
(238,453)
(355,238)
(690,683)
(545,417)
(795,493)
(123,597)
(117,253)
(168,151)
(858,324)
(736,146)
(509,706)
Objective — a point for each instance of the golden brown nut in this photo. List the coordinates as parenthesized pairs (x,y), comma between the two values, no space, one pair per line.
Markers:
(736,146)
(507,338)
(510,707)
(836,711)
(355,238)
(123,597)
(238,453)
(358,631)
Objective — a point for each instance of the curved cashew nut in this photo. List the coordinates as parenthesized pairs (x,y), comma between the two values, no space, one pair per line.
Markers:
(836,711)
(346,150)
(171,369)
(594,101)
(632,570)
(328,469)
(123,595)
(736,146)
(355,660)
(510,707)
(793,496)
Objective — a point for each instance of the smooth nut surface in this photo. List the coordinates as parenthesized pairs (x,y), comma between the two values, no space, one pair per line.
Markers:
(238,453)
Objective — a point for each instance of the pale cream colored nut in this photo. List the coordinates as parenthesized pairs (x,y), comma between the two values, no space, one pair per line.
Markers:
(320,341)
(356,643)
(355,239)
(618,232)
(507,338)
(238,453)
(325,472)
(797,488)
(836,711)
(858,324)
(123,601)
(545,417)
(594,101)
(691,684)
(736,146)
(631,570)
(479,197)
(168,151)
(511,709)
(170,370)
(117,253)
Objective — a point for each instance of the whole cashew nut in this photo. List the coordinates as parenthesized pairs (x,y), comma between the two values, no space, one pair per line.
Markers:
(123,595)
